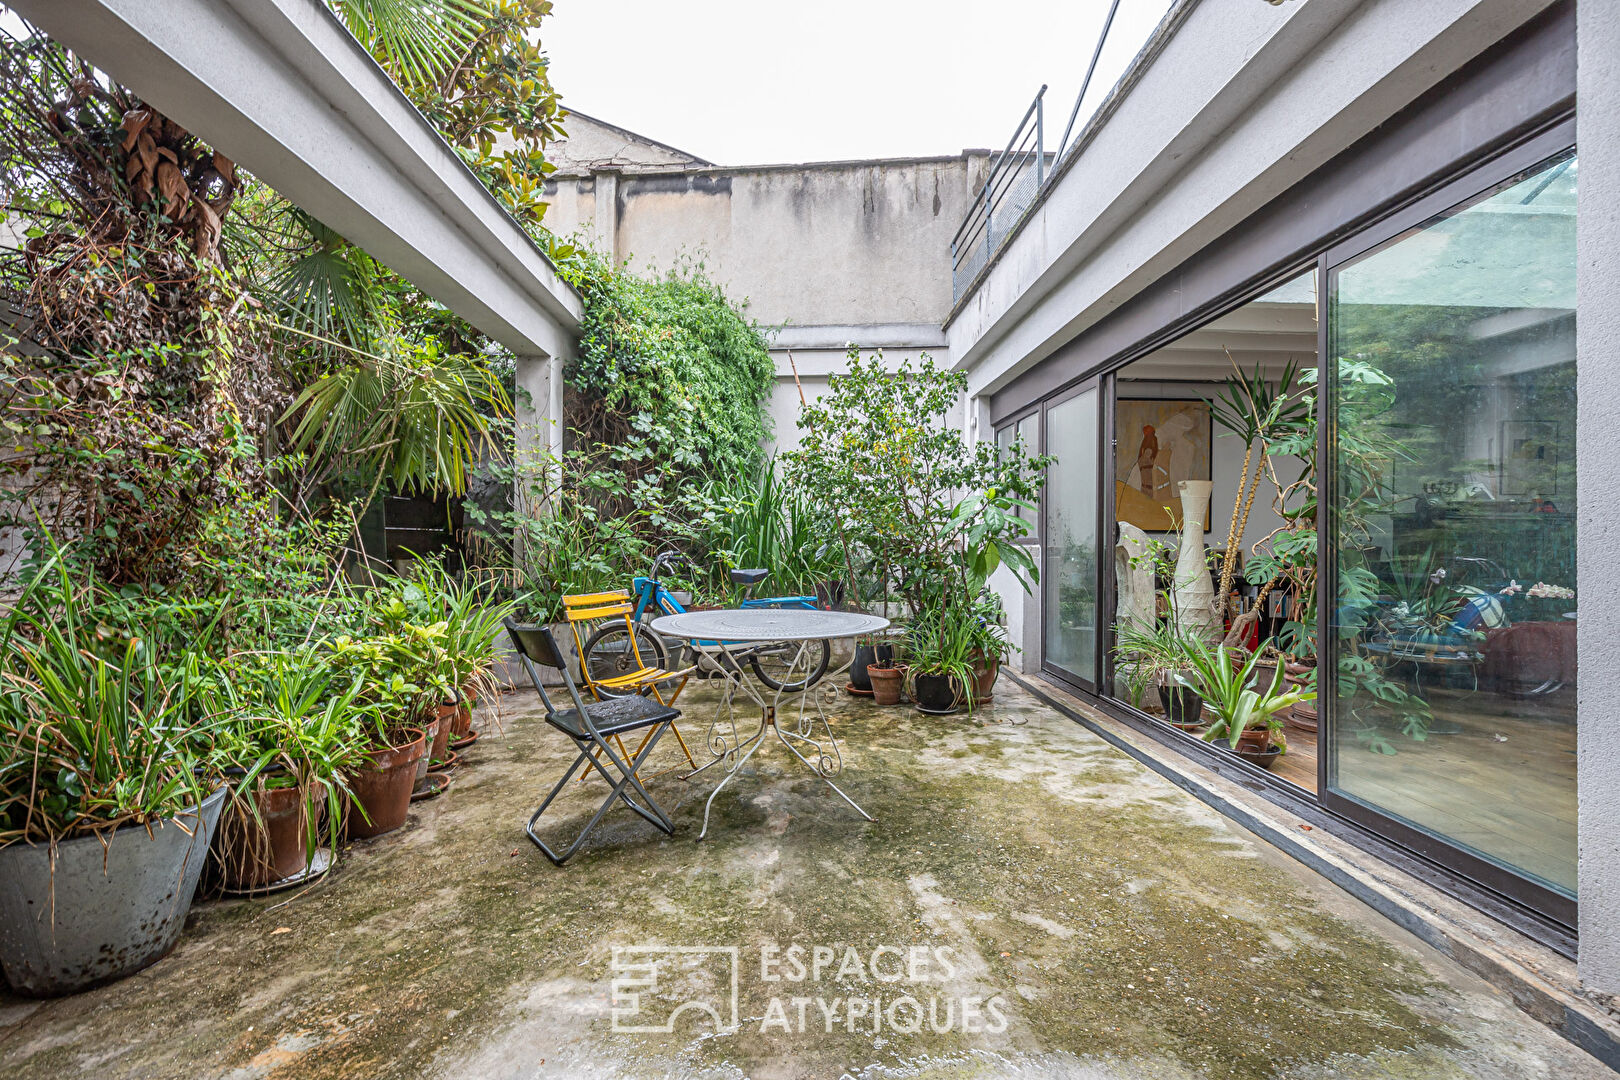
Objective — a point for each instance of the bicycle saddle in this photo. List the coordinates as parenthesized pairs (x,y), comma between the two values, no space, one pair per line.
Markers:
(749,577)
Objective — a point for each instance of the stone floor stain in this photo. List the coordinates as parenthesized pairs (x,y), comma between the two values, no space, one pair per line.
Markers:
(1030,902)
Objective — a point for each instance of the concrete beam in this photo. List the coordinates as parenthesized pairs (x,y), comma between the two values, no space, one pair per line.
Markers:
(281,88)
(869,336)
(1244,101)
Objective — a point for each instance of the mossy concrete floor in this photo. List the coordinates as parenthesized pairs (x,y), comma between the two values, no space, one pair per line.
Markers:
(1029,902)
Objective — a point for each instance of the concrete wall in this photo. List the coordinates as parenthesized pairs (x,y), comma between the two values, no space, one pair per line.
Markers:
(828,254)
(597,144)
(1598,529)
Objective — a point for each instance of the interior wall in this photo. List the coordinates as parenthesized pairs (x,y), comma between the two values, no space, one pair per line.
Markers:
(1226,466)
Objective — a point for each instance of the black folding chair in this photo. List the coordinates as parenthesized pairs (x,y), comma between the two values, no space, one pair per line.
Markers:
(593,726)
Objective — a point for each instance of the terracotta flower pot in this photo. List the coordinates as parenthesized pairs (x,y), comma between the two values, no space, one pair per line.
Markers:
(382,789)
(865,657)
(1254,740)
(257,850)
(461,718)
(446,714)
(984,679)
(886,683)
(1303,716)
(431,730)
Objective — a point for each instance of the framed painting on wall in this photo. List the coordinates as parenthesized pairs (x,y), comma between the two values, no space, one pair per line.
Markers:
(1158,444)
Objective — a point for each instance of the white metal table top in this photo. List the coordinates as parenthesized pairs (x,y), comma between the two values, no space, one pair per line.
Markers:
(768,624)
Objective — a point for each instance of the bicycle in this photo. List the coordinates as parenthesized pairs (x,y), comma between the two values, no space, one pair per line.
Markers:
(609,652)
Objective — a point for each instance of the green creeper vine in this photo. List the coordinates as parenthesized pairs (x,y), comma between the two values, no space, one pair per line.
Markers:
(670,367)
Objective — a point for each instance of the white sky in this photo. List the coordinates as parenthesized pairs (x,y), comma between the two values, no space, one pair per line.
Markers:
(744,82)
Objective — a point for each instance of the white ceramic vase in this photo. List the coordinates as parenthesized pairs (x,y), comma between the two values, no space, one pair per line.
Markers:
(1194,588)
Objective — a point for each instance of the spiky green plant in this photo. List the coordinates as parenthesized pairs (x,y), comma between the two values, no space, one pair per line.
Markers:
(89,741)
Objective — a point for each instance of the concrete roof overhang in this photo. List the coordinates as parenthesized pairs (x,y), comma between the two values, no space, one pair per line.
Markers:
(284,90)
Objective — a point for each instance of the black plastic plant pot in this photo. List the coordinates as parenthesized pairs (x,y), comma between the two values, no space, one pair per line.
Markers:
(864,655)
(1182,705)
(938,694)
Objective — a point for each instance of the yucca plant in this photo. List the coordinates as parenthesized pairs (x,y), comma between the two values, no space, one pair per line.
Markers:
(1230,691)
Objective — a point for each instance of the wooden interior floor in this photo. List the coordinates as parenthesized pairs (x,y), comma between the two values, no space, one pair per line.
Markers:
(1503,784)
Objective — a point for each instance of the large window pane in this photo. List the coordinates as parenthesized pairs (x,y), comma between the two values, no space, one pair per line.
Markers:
(1071,537)
(1454,493)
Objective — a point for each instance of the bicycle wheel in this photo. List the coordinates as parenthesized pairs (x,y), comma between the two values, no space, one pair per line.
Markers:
(610,654)
(771,665)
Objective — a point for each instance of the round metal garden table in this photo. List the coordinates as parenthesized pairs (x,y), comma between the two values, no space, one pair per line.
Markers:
(727,636)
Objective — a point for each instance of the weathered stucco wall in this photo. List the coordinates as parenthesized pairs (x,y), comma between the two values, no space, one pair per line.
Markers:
(1598,528)
(808,245)
(831,255)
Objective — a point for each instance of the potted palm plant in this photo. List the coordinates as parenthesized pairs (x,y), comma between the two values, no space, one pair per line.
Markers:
(106,812)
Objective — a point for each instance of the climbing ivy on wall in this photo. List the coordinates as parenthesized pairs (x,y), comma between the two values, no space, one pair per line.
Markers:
(668,367)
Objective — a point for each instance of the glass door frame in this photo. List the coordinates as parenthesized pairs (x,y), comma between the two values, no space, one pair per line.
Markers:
(1102,385)
(1478,179)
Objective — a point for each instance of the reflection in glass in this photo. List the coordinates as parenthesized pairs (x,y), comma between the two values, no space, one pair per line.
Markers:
(1071,537)
(1454,495)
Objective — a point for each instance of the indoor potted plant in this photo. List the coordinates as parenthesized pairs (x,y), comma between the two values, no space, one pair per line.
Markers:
(1163,657)
(1247,717)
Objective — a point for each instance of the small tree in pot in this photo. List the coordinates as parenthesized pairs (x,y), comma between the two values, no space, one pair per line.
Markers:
(883,468)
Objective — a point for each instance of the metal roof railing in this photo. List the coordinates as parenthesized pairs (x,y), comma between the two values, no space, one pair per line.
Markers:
(1017,176)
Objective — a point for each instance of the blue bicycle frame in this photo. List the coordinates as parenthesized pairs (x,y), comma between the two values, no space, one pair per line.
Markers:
(650,593)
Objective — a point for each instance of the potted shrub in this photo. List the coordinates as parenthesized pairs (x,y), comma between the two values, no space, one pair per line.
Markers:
(390,706)
(290,736)
(105,814)
(880,464)
(939,648)
(1246,716)
(990,647)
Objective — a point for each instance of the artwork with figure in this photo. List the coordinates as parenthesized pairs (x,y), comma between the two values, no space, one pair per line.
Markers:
(1158,445)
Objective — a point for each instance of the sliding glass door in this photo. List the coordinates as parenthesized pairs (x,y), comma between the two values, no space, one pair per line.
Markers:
(1071,571)
(1451,369)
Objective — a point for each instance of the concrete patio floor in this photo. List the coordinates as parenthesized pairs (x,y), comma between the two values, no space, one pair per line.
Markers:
(1030,902)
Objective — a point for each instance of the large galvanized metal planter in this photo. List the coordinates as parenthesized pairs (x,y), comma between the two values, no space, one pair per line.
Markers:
(105,910)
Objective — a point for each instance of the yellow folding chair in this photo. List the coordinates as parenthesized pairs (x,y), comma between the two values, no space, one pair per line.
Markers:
(613,661)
